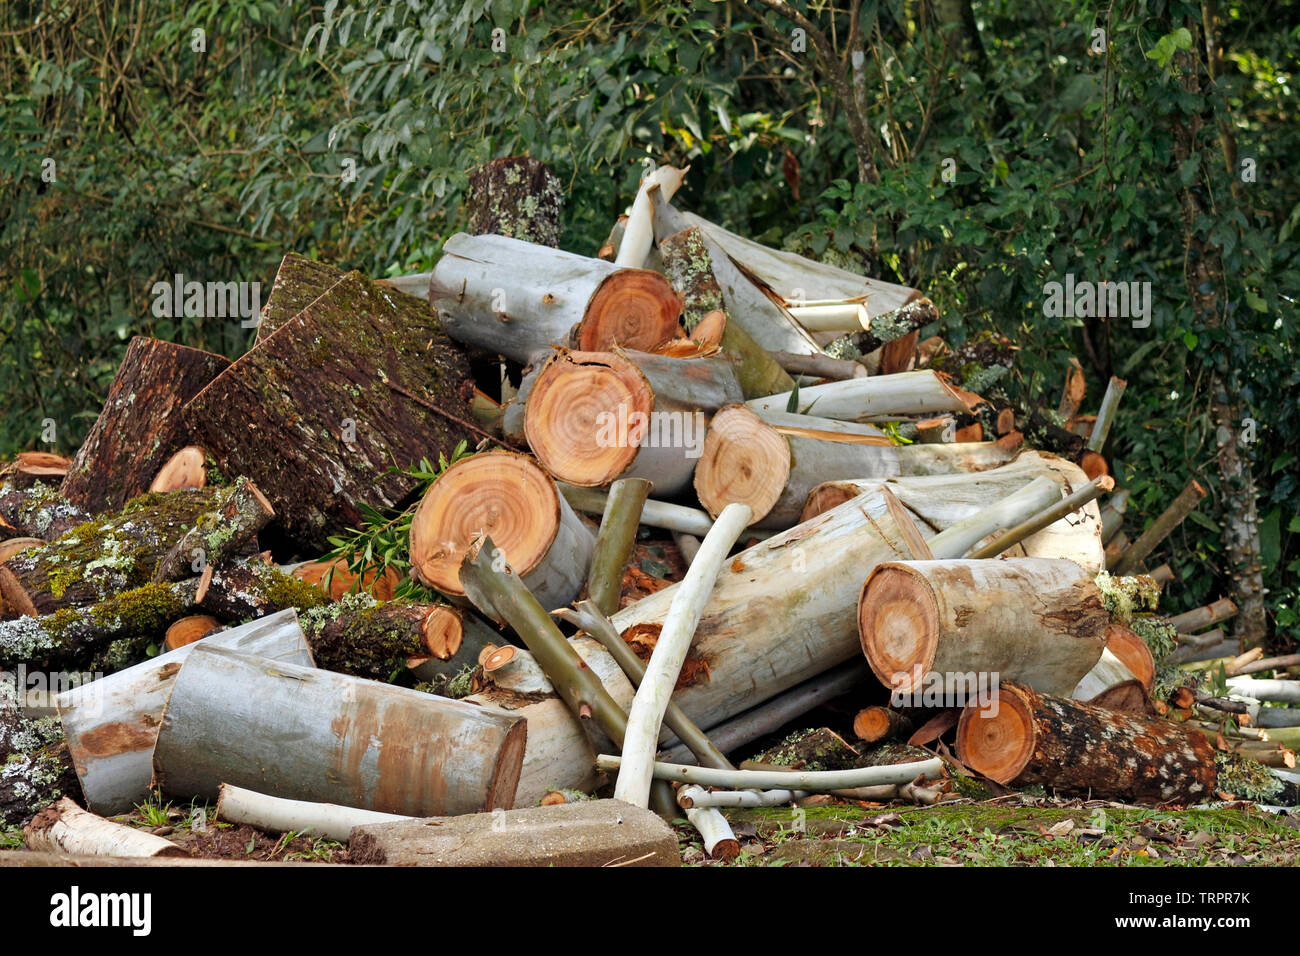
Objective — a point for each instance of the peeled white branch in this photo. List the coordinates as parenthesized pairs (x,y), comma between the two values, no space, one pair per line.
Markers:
(1277,691)
(278,815)
(815,781)
(720,842)
(651,700)
(66,828)
(858,399)
(638,231)
(698,797)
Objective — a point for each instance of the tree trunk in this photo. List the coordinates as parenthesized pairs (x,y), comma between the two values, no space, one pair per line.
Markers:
(141,424)
(38,511)
(511,498)
(1076,748)
(316,414)
(941,500)
(512,298)
(1030,620)
(690,269)
(515,196)
(112,723)
(66,828)
(859,399)
(593,417)
(773,468)
(308,734)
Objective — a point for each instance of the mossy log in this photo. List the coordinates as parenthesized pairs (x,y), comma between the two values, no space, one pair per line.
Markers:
(1077,748)
(35,765)
(817,749)
(381,640)
(38,510)
(76,637)
(515,196)
(885,328)
(141,425)
(29,467)
(104,556)
(689,268)
(238,514)
(315,414)
(242,591)
(298,283)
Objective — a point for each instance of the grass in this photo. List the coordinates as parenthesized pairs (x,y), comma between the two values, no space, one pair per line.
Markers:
(1006,834)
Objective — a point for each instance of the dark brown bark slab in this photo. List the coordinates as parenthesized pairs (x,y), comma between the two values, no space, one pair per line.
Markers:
(360,380)
(140,426)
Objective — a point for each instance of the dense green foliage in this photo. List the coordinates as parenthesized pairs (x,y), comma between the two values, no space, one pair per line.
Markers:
(980,157)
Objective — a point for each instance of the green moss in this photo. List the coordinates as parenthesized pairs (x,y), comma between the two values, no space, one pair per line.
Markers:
(1126,596)
(462,684)
(1246,779)
(1160,636)
(284,590)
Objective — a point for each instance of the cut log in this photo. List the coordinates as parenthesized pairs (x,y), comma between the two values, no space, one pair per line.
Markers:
(317,413)
(515,196)
(1112,515)
(307,734)
(939,501)
(819,748)
(511,498)
(1029,620)
(298,283)
(1076,389)
(875,724)
(190,629)
(107,556)
(859,399)
(1161,528)
(112,723)
(690,269)
(512,298)
(71,637)
(811,780)
(638,233)
(593,417)
(615,542)
(38,511)
(1279,691)
(30,467)
(11,547)
(185,469)
(1078,748)
(1045,519)
(715,832)
(889,324)
(242,591)
(773,468)
(1106,414)
(66,828)
(377,642)
(1107,676)
(1133,652)
(758,311)
(818,366)
(37,768)
(141,424)
(237,515)
(656,514)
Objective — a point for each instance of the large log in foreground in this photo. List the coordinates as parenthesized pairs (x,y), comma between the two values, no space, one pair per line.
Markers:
(1076,748)
(112,723)
(592,417)
(511,498)
(309,734)
(512,298)
(318,412)
(1030,620)
(141,424)
(773,468)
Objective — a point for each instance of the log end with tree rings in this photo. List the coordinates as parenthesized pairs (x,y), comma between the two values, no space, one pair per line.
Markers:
(828,495)
(898,625)
(997,741)
(1132,652)
(631,309)
(587,415)
(1093,465)
(341,581)
(190,629)
(744,460)
(443,632)
(185,469)
(502,494)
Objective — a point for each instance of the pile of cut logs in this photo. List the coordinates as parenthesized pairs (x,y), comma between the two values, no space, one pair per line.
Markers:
(717,492)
